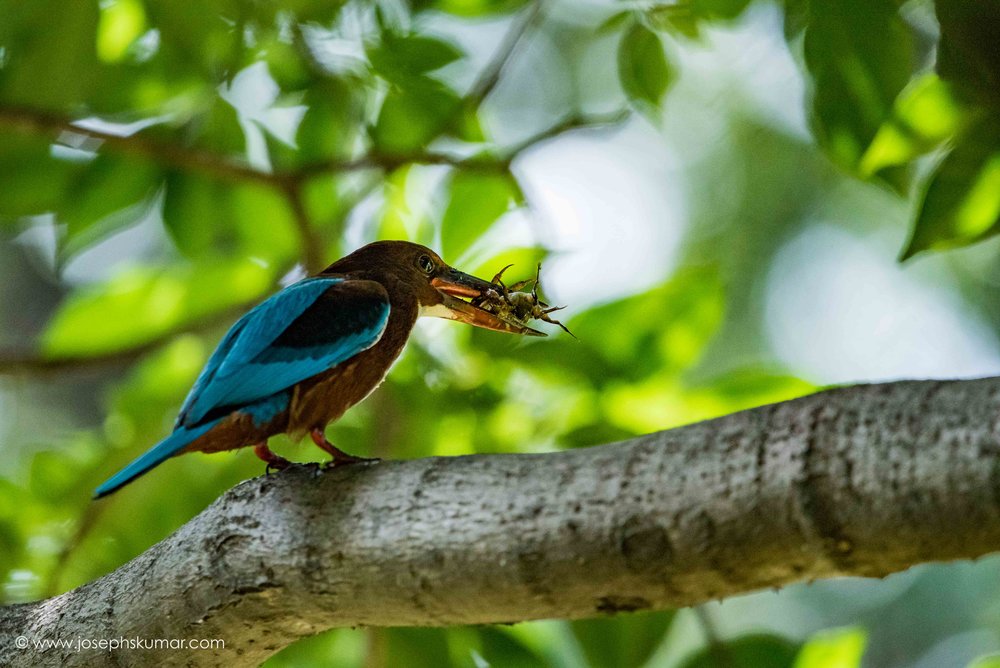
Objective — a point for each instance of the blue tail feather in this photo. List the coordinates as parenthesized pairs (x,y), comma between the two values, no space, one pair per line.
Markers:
(166,448)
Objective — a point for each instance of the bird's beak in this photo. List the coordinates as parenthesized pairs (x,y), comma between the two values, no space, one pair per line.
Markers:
(453,284)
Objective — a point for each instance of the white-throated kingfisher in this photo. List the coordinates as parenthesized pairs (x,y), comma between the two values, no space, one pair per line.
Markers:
(300,359)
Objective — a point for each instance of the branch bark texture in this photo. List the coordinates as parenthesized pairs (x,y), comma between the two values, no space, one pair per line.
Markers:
(865,480)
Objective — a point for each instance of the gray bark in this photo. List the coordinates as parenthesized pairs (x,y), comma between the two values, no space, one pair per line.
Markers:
(864,480)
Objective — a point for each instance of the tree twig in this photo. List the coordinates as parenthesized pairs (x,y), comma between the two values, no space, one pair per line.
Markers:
(576,121)
(717,649)
(845,482)
(490,76)
(313,254)
(87,521)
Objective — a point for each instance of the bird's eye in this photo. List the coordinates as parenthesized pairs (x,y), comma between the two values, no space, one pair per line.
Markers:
(426,264)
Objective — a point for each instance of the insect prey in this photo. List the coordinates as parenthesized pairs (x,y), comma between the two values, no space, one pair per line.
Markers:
(515,306)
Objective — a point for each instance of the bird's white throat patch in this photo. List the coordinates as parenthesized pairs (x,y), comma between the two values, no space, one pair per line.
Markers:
(436,311)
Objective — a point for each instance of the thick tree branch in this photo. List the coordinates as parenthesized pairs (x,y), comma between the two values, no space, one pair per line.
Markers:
(865,480)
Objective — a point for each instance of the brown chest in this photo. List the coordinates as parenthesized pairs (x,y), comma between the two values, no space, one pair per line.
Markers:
(324,398)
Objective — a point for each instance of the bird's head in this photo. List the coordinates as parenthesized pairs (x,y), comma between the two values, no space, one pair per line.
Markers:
(414,271)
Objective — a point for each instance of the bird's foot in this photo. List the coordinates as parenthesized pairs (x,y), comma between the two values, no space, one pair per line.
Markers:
(273,461)
(340,458)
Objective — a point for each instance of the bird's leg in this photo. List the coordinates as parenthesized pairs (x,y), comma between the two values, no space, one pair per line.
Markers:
(272,460)
(339,456)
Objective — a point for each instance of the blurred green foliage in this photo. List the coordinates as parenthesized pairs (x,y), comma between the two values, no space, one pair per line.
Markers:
(243,137)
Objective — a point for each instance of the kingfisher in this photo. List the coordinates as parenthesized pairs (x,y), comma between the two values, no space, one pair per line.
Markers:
(297,361)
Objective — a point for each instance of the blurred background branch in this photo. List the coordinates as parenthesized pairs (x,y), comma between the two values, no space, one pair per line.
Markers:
(48,124)
(34,121)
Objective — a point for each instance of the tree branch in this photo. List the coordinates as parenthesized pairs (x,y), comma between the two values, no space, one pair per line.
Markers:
(39,122)
(865,480)
(490,76)
(575,121)
(313,254)
(33,362)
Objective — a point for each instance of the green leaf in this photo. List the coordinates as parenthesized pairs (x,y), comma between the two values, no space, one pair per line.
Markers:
(523,258)
(34,182)
(796,18)
(218,129)
(112,192)
(143,304)
(286,65)
(754,386)
(330,125)
(676,19)
(642,68)
(206,217)
(419,648)
(991,661)
(475,8)
(199,38)
(690,308)
(318,11)
(619,20)
(839,648)
(161,379)
(758,650)
(967,55)
(625,640)
(50,57)
(859,53)
(121,22)
(55,474)
(399,58)
(925,114)
(466,125)
(398,219)
(475,201)
(500,648)
(339,648)
(412,116)
(724,10)
(961,203)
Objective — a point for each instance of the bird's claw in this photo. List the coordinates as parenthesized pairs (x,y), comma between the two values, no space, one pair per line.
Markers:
(271,460)
(272,467)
